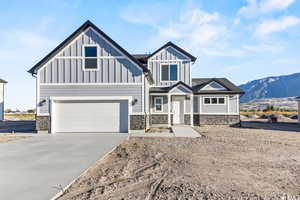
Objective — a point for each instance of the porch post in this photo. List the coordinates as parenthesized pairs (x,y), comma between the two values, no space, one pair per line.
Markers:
(169,110)
(192,110)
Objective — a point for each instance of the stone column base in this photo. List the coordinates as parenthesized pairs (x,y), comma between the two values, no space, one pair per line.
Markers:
(137,122)
(43,124)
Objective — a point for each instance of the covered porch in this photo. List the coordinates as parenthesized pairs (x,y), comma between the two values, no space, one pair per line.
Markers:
(171,106)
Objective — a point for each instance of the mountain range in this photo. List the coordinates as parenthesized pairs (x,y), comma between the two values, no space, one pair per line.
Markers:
(272,87)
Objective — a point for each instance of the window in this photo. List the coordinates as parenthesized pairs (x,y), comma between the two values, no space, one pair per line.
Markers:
(90,58)
(214,100)
(158,103)
(169,72)
(206,100)
(221,101)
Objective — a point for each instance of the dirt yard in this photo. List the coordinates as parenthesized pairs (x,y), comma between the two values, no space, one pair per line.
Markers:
(6,138)
(227,163)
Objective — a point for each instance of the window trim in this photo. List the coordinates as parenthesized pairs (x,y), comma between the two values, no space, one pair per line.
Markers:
(83,57)
(169,64)
(213,104)
(162,103)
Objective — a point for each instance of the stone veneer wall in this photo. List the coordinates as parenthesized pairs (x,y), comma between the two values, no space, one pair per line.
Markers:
(219,119)
(137,122)
(196,120)
(160,119)
(187,119)
(43,123)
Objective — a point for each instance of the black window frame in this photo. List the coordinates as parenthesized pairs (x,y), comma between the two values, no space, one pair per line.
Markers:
(168,66)
(90,59)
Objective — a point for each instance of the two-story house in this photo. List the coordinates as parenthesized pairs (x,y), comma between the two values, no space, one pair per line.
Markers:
(89,83)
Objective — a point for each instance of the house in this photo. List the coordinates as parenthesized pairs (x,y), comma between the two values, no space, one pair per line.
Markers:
(2,83)
(89,83)
(298,99)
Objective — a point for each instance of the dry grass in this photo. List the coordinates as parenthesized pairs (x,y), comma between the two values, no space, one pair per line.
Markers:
(260,113)
(6,138)
(19,117)
(228,163)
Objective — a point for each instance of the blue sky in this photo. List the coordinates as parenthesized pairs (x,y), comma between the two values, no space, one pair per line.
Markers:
(238,39)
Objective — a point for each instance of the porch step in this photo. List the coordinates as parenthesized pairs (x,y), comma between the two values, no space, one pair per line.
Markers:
(185,131)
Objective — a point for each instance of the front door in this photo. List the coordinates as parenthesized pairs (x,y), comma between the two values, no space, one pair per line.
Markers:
(178,110)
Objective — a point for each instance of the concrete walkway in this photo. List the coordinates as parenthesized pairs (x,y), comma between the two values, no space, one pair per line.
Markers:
(151,135)
(34,168)
(178,131)
(185,131)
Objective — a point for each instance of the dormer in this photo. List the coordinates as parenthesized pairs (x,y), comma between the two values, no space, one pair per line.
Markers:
(169,65)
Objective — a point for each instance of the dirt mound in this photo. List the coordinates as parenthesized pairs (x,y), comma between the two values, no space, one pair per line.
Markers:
(243,117)
(223,165)
(253,116)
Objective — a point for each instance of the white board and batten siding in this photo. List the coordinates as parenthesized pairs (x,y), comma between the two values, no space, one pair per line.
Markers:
(64,75)
(169,55)
(98,100)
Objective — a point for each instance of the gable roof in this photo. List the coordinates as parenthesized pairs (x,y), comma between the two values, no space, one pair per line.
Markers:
(67,41)
(2,81)
(199,83)
(169,88)
(193,59)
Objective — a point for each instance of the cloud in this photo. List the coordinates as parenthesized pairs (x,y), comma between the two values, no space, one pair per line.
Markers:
(270,26)
(263,48)
(255,8)
(224,52)
(275,5)
(138,13)
(32,40)
(194,27)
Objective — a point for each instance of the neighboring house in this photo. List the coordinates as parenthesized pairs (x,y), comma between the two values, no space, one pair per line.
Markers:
(89,83)
(2,83)
(298,99)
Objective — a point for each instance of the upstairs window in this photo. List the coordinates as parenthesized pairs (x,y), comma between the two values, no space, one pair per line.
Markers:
(169,72)
(90,58)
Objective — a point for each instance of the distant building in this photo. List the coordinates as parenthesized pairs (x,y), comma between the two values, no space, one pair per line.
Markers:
(2,83)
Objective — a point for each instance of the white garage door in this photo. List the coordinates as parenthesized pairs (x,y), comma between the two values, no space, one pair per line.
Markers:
(90,116)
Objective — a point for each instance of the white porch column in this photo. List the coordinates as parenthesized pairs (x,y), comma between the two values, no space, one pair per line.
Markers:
(192,110)
(169,110)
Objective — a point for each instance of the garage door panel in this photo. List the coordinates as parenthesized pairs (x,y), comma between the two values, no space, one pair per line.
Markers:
(91,116)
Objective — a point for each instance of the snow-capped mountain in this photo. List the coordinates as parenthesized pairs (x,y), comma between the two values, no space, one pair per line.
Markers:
(272,87)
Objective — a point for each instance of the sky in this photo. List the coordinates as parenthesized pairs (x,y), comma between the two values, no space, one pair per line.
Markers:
(242,40)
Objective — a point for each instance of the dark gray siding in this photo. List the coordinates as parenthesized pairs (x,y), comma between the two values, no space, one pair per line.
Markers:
(170,55)
(67,67)
(47,91)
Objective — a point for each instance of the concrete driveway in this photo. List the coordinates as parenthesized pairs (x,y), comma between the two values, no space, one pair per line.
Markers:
(33,168)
